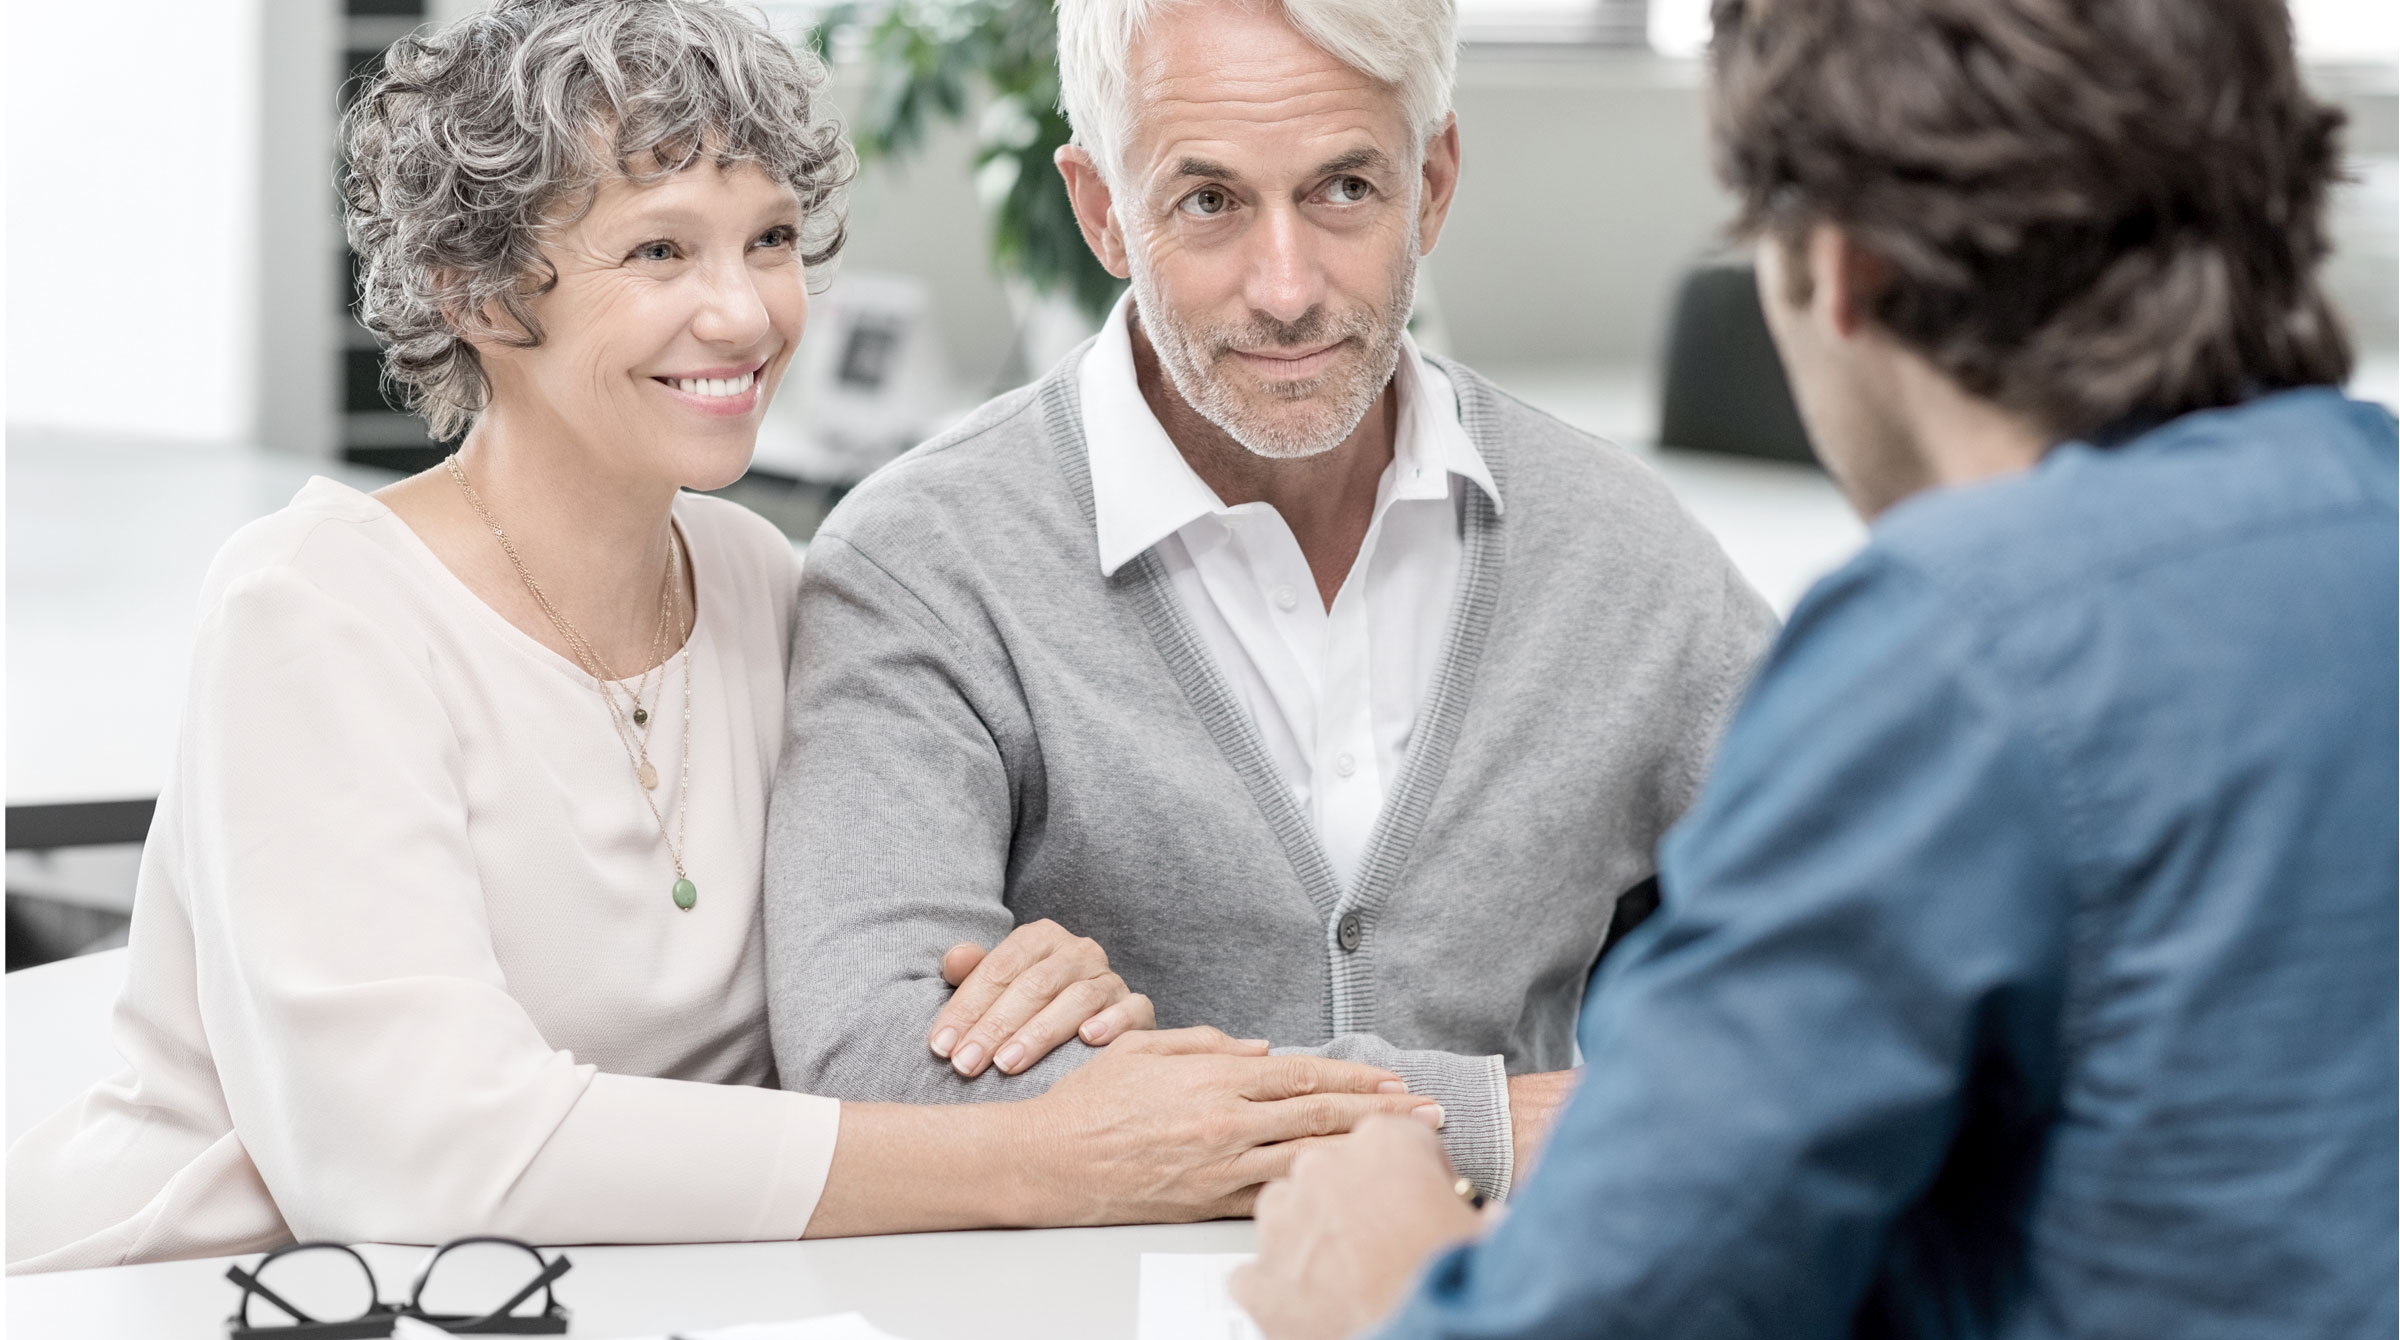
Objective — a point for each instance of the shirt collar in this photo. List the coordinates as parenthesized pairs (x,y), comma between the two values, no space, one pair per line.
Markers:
(1143,490)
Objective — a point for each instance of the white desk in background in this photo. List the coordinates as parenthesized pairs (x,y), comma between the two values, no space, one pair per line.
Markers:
(1051,1284)
(108,543)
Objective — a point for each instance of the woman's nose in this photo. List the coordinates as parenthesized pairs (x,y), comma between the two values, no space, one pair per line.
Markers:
(731,312)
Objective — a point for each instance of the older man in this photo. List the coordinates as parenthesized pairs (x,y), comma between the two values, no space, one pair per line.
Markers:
(1335,694)
(2027,968)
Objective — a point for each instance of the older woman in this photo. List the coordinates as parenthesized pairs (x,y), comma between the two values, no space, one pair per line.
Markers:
(450,919)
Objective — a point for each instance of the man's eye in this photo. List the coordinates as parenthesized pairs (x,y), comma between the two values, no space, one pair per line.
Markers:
(1207,202)
(1348,190)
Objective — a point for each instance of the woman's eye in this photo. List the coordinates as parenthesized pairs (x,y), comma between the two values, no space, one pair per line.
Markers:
(1348,190)
(778,236)
(654,251)
(1207,202)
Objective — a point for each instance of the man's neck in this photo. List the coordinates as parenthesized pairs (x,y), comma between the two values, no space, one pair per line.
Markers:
(1951,438)
(1328,499)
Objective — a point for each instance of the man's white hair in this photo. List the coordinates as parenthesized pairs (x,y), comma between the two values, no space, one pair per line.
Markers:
(1411,45)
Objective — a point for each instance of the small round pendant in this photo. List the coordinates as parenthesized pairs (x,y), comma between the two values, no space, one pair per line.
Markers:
(648,774)
(686,894)
(641,716)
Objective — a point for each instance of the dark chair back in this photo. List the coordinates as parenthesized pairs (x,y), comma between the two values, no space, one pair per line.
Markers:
(1725,389)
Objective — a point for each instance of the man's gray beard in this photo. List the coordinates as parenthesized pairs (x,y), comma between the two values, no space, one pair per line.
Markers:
(1189,354)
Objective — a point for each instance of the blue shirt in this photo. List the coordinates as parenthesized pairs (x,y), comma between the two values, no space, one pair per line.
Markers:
(2026,967)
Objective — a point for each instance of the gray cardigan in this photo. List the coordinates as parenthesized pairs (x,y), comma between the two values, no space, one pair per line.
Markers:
(985,731)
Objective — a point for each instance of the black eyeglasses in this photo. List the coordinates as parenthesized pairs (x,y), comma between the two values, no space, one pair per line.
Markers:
(326,1291)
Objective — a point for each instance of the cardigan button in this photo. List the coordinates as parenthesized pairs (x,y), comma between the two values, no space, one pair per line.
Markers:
(1349,931)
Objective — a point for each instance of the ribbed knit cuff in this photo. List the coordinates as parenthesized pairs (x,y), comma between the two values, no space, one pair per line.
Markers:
(1473,1092)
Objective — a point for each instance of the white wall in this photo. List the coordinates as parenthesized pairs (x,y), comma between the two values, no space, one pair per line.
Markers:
(132,162)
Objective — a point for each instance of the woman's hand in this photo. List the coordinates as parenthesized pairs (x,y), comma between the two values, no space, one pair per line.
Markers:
(1018,1002)
(1186,1124)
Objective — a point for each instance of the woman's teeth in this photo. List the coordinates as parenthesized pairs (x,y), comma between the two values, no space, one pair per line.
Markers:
(714,387)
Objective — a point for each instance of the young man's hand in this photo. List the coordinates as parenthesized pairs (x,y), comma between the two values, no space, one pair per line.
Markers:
(1342,1238)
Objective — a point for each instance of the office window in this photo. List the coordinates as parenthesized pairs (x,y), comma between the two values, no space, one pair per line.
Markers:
(1591,22)
(2348,32)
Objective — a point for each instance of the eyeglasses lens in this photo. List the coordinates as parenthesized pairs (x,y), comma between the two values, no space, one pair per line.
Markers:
(327,1283)
(473,1278)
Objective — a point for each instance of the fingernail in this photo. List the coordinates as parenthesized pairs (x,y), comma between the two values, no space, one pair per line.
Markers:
(1431,1114)
(944,1041)
(968,1058)
(1010,1057)
(1091,1032)
(1391,1086)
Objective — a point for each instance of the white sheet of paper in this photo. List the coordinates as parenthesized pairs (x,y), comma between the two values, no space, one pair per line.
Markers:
(1184,1298)
(846,1326)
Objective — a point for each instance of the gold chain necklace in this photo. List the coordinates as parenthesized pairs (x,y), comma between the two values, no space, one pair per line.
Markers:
(629,734)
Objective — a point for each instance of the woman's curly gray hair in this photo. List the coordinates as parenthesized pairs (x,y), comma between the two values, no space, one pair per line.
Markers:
(479,135)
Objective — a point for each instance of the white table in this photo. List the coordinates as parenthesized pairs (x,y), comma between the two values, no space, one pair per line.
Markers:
(1056,1284)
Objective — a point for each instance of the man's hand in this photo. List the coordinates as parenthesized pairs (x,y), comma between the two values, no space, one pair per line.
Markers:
(1342,1238)
(1186,1124)
(1018,1002)
(1533,1104)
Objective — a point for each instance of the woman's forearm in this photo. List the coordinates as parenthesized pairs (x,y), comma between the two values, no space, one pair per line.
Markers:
(899,1168)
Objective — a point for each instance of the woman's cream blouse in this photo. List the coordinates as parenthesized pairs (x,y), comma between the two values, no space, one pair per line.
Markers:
(404,960)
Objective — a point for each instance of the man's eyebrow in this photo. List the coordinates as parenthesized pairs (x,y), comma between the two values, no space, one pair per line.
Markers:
(1357,160)
(1202,167)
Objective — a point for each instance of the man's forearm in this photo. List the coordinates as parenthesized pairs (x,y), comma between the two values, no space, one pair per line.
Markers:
(1473,1092)
(871,1047)
(1533,1104)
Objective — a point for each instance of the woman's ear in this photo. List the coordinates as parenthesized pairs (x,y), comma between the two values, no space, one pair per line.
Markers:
(1095,213)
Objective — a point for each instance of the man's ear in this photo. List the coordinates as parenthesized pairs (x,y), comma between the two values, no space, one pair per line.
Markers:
(1087,191)
(1440,186)
(1847,278)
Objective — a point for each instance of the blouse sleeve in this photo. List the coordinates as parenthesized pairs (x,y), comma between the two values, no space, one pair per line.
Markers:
(376,1068)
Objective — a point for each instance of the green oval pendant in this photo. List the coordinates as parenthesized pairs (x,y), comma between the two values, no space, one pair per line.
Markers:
(686,894)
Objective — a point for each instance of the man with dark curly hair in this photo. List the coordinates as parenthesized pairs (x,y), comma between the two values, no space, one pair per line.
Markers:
(2026,965)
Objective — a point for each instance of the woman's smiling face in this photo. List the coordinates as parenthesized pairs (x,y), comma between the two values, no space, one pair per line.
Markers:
(677,308)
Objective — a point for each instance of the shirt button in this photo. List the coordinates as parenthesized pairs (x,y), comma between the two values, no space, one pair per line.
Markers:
(1284,599)
(1349,931)
(1344,765)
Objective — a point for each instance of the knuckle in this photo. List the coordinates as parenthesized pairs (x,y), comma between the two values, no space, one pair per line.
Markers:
(1326,1117)
(1045,979)
(1090,948)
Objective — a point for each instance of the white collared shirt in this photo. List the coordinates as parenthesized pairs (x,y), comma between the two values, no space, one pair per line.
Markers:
(1334,692)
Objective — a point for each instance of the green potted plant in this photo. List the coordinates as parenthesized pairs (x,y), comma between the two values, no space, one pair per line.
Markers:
(928,62)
